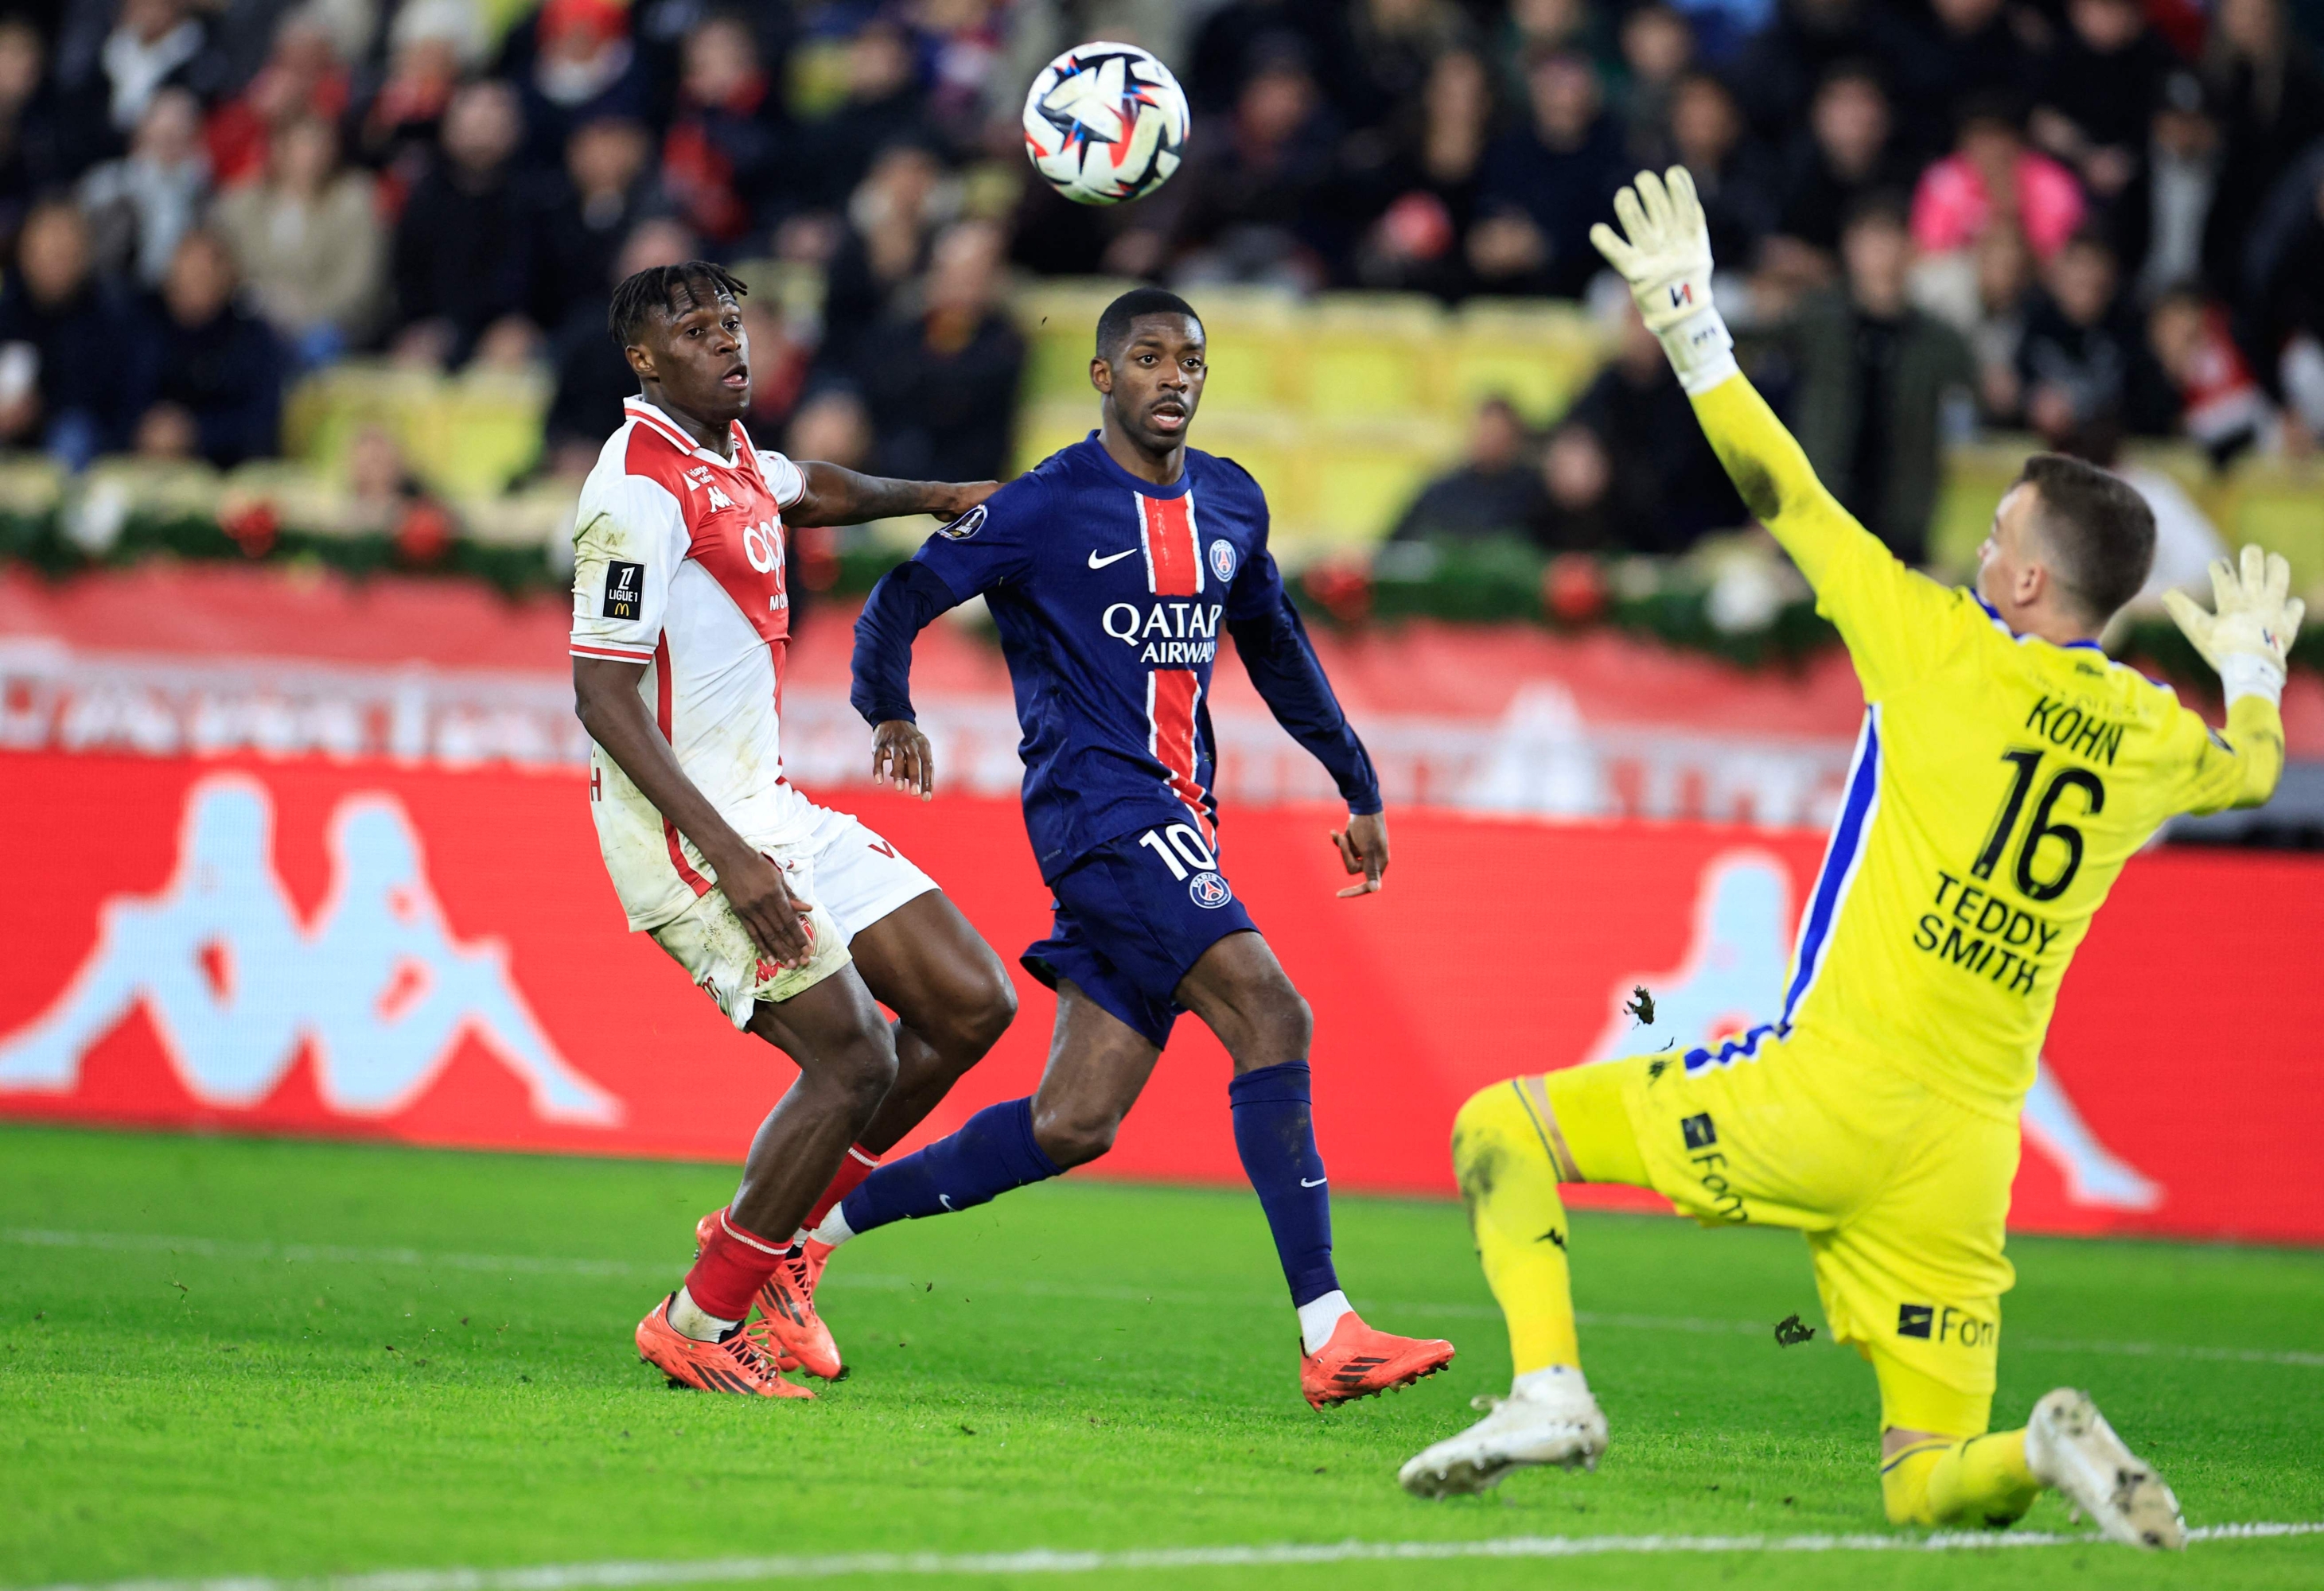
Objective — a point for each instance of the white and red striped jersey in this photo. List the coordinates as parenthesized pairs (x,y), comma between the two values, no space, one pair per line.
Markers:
(678,565)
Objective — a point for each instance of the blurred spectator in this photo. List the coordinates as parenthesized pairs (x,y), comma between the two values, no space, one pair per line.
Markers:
(1236,37)
(2284,276)
(942,383)
(583,216)
(1493,491)
(2083,361)
(154,44)
(881,107)
(1536,28)
(34,129)
(719,161)
(307,241)
(2269,97)
(2216,400)
(782,356)
(1383,54)
(1658,47)
(217,390)
(2099,89)
(1736,178)
(71,381)
(582,68)
(1984,296)
(833,427)
(1968,50)
(2162,217)
(1874,377)
(1578,503)
(1992,177)
(1662,488)
(302,78)
(1556,175)
(1778,71)
(1245,206)
(1415,243)
(891,219)
(1848,154)
(593,372)
(140,205)
(459,251)
(430,43)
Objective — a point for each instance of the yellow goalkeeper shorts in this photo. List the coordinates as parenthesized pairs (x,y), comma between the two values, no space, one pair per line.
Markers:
(1901,1192)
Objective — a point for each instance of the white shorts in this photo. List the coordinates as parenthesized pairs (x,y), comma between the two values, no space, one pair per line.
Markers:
(850,876)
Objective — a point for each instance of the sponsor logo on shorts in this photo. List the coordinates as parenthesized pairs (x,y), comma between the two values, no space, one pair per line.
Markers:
(1222,559)
(966,525)
(1698,1131)
(625,589)
(1209,891)
(1944,1323)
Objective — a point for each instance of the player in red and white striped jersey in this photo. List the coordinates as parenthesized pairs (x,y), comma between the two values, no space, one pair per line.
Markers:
(793,917)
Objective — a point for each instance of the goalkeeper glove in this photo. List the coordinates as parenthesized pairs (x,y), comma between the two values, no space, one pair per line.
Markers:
(2248,639)
(1666,260)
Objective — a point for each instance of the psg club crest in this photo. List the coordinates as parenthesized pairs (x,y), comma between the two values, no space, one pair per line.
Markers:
(966,525)
(1208,890)
(1222,559)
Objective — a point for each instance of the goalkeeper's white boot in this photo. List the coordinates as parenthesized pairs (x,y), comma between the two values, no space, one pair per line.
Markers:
(1548,1418)
(2071,1448)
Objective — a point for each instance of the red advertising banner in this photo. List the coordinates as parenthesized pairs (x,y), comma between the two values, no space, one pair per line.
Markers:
(435,956)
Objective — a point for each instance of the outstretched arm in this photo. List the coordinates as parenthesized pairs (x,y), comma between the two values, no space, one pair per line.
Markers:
(2247,638)
(901,605)
(835,495)
(1282,663)
(1884,611)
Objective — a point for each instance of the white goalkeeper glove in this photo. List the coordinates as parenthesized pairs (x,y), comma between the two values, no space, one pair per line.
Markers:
(1667,262)
(2248,637)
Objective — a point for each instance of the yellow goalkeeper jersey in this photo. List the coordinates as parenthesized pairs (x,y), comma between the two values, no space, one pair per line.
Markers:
(1999,783)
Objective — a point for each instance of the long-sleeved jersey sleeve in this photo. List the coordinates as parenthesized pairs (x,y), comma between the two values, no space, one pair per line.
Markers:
(1282,663)
(984,548)
(2236,767)
(1896,623)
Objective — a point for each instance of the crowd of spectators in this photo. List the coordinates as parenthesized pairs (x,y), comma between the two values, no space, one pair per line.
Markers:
(2080,217)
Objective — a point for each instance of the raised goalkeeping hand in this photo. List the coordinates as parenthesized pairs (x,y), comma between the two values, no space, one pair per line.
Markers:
(2248,639)
(1666,260)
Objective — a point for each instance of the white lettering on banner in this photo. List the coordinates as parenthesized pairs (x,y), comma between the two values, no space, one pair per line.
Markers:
(1539,757)
(376,987)
(1732,980)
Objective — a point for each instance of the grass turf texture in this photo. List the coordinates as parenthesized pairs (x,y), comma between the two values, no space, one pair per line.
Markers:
(1081,1365)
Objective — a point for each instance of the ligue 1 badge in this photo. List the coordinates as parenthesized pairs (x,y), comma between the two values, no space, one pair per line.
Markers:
(1209,891)
(1222,559)
(966,525)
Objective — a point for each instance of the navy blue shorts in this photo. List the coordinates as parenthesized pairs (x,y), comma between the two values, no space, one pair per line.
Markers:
(1132,918)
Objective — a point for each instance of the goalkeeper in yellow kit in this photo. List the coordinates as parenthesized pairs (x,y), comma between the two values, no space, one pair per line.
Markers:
(2005,771)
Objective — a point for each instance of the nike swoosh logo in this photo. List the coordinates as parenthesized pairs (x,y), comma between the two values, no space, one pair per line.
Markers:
(945,1200)
(1099,563)
(1318,1183)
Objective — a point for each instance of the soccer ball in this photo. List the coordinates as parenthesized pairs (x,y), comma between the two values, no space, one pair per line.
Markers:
(1105,124)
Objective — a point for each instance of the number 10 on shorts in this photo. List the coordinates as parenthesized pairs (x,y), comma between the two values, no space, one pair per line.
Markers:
(1191,855)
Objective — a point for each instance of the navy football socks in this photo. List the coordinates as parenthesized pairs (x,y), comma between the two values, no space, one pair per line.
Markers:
(1275,1134)
(993,1151)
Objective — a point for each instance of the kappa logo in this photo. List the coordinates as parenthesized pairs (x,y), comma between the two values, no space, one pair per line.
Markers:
(1222,559)
(373,985)
(966,525)
(1209,891)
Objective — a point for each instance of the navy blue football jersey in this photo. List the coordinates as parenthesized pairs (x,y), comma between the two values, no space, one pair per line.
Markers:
(1111,595)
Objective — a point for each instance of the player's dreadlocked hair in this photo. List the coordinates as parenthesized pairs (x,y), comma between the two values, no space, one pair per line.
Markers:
(2098,527)
(1113,326)
(656,289)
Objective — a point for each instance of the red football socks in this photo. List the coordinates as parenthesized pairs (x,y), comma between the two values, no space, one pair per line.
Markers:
(856,1164)
(731,1269)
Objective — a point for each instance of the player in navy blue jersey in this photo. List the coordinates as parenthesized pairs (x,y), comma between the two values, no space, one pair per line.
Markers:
(1113,571)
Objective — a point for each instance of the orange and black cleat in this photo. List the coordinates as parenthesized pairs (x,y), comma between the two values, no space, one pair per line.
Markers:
(734,1366)
(789,1331)
(1361,1362)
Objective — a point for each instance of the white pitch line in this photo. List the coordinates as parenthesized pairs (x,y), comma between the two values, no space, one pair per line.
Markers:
(1042,1560)
(558,1265)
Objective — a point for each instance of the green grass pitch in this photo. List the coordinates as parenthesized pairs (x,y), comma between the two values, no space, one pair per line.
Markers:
(222,1357)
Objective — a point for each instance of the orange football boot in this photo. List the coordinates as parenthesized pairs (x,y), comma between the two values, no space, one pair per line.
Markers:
(789,1331)
(1361,1362)
(734,1366)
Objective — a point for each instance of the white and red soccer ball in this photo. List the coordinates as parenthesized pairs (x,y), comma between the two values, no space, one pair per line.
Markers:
(1105,124)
